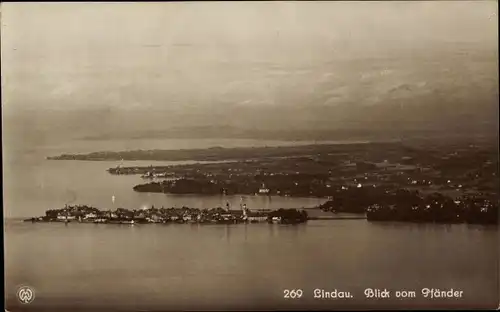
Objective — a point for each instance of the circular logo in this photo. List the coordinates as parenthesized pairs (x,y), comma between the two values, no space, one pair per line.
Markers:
(25,294)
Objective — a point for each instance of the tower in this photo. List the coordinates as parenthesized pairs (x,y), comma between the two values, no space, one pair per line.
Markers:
(244,207)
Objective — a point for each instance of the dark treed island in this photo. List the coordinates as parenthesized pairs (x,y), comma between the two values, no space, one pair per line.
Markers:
(413,206)
(437,208)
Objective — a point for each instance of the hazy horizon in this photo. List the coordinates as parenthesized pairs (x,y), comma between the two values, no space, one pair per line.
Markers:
(77,69)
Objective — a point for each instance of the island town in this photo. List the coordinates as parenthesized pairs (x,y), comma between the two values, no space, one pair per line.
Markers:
(88,214)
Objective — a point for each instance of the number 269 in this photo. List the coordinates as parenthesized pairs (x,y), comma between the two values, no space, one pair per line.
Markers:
(292,294)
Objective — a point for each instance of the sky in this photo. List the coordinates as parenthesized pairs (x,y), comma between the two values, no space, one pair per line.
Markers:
(205,62)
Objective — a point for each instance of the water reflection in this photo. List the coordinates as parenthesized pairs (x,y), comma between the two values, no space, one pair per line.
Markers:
(222,260)
(228,233)
(246,232)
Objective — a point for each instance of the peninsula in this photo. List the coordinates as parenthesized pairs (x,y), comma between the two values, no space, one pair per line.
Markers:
(220,153)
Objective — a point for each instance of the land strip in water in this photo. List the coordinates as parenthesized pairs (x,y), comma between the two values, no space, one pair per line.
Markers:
(89,214)
(217,153)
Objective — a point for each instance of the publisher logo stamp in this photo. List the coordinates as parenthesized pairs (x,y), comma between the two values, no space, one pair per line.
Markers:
(25,294)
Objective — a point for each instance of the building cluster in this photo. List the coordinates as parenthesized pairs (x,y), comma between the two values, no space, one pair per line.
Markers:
(437,208)
(87,214)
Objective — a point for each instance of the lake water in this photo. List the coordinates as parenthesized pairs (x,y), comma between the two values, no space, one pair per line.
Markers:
(33,184)
(183,267)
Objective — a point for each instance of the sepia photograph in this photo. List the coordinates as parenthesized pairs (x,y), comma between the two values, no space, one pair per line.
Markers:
(250,156)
